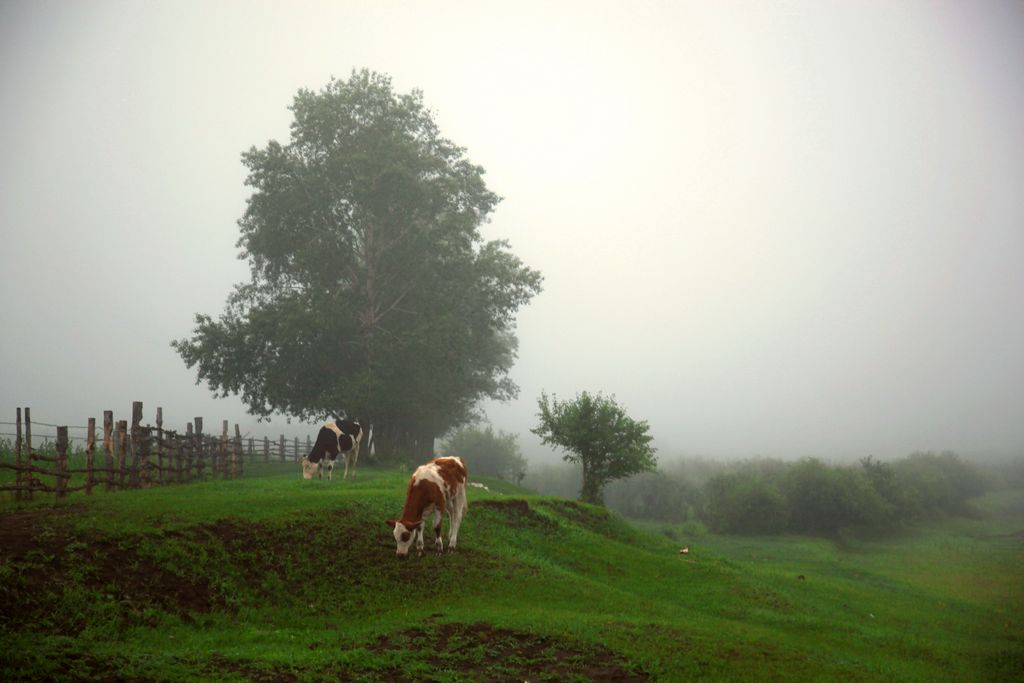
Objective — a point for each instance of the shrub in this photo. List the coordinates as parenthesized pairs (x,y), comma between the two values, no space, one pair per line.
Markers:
(561,479)
(901,501)
(1008,474)
(824,499)
(488,453)
(941,483)
(650,495)
(741,502)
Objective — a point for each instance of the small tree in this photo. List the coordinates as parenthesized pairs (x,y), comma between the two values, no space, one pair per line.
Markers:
(599,436)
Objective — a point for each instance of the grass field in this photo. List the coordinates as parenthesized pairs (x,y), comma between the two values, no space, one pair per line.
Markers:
(271,578)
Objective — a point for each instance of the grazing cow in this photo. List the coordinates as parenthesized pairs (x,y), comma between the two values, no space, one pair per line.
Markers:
(354,430)
(339,436)
(435,487)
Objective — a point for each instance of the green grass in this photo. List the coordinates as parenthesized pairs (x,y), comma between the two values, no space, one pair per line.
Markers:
(273,578)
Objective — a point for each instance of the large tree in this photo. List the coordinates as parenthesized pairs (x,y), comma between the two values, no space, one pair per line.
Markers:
(597,434)
(372,292)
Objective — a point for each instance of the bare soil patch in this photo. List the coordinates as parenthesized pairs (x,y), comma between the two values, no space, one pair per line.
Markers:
(40,530)
(42,555)
(481,651)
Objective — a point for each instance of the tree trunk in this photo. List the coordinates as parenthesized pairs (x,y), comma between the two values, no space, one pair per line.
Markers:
(592,486)
(385,443)
(424,450)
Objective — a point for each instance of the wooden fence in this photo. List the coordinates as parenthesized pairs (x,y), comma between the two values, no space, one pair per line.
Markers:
(136,456)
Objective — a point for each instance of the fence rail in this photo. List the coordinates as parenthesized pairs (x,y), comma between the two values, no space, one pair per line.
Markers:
(135,456)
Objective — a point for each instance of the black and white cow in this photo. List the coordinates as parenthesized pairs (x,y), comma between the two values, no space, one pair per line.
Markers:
(338,436)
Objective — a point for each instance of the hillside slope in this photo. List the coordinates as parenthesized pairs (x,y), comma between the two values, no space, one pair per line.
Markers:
(272,578)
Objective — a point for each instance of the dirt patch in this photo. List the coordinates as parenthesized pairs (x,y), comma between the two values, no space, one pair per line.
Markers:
(518,513)
(218,664)
(45,561)
(58,579)
(140,581)
(34,530)
(59,664)
(477,652)
(483,652)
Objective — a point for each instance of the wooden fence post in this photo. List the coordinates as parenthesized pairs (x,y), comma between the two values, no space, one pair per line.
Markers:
(252,453)
(19,477)
(224,469)
(176,456)
(160,444)
(296,449)
(237,465)
(108,445)
(145,443)
(184,441)
(90,448)
(266,449)
(61,483)
(136,443)
(200,464)
(29,456)
(281,448)
(121,447)
(309,445)
(190,451)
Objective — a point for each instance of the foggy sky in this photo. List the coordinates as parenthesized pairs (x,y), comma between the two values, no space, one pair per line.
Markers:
(777,229)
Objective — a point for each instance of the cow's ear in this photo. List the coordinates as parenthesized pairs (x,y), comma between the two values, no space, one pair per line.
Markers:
(391,523)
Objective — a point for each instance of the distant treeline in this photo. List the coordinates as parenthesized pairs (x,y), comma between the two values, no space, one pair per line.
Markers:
(768,496)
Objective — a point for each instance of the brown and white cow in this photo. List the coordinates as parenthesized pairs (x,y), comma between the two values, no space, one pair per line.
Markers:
(339,436)
(435,487)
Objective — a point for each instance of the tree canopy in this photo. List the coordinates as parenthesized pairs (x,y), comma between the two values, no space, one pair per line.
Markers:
(596,433)
(372,292)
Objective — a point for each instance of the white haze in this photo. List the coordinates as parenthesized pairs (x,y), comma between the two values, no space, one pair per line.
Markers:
(779,229)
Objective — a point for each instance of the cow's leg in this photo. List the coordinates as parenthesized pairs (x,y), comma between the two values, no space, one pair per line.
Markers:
(438,543)
(457,510)
(330,470)
(350,460)
(355,458)
(419,540)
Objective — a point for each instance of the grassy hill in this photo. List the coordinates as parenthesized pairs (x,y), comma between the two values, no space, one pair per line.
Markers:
(271,578)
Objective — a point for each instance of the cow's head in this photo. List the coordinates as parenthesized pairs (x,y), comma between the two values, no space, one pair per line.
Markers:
(405,534)
(309,468)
